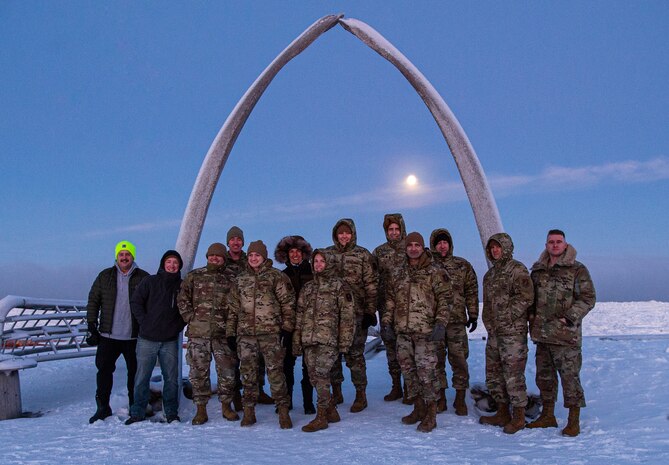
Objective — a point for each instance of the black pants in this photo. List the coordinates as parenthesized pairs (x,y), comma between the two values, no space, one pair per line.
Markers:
(289,372)
(109,350)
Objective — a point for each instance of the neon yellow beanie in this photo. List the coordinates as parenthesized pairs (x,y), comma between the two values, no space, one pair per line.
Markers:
(125,245)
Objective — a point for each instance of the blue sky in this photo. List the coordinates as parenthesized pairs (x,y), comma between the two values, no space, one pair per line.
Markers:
(108,109)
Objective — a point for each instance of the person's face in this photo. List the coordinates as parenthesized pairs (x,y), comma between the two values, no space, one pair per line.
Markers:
(344,238)
(555,245)
(394,231)
(171,264)
(295,256)
(443,247)
(319,263)
(495,250)
(124,260)
(255,260)
(216,259)
(414,250)
(235,244)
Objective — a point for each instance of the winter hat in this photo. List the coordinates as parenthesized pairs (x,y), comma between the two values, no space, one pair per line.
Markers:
(235,232)
(259,248)
(344,228)
(125,245)
(216,249)
(415,237)
(168,254)
(441,237)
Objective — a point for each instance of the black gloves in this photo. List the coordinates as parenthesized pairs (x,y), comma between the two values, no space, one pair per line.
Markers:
(232,343)
(369,319)
(473,322)
(93,337)
(438,333)
(388,333)
(286,338)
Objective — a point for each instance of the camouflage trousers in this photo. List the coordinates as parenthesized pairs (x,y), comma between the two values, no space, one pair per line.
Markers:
(457,347)
(391,352)
(417,356)
(552,359)
(355,360)
(198,356)
(250,348)
(319,360)
(505,360)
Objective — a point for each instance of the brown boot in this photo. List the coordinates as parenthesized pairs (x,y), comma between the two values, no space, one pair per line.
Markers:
(417,414)
(228,413)
(405,396)
(332,414)
(441,403)
(459,403)
(284,417)
(237,401)
(249,416)
(263,398)
(201,415)
(501,418)
(396,391)
(517,422)
(429,421)
(360,402)
(318,423)
(547,417)
(573,427)
(336,393)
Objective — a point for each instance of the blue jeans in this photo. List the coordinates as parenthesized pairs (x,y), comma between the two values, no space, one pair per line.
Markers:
(147,353)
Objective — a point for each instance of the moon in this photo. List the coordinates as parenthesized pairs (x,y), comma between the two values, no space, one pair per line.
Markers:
(411,180)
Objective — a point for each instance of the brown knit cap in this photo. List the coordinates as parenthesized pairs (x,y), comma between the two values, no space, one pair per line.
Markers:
(344,228)
(257,247)
(415,237)
(216,249)
(235,232)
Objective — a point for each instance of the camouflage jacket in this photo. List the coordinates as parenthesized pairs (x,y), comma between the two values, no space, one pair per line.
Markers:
(463,281)
(507,292)
(356,266)
(389,256)
(263,302)
(418,297)
(325,311)
(203,301)
(563,290)
(236,267)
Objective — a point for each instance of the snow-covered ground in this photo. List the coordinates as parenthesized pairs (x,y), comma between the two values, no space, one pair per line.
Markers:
(625,376)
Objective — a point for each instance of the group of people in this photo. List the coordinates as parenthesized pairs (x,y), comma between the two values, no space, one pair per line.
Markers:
(251,318)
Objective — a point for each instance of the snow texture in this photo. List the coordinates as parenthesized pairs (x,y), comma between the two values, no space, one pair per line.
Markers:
(625,374)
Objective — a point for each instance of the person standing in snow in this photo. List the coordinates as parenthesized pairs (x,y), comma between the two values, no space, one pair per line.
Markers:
(564,294)
(111,325)
(154,305)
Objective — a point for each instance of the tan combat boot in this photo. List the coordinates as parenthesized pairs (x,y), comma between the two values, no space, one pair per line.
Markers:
(332,414)
(547,417)
(337,394)
(249,416)
(429,421)
(517,422)
(284,417)
(263,398)
(201,415)
(417,414)
(228,413)
(360,402)
(441,403)
(395,391)
(573,427)
(501,418)
(459,403)
(318,423)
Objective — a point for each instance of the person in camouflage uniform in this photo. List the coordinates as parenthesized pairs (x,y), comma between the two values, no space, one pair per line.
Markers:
(261,317)
(357,267)
(464,315)
(324,328)
(203,304)
(389,256)
(418,303)
(564,294)
(507,296)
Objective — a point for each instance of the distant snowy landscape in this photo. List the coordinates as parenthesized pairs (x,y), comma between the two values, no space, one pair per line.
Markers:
(625,376)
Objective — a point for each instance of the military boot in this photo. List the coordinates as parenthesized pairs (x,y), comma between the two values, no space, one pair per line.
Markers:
(405,396)
(441,403)
(263,398)
(573,427)
(228,413)
(237,400)
(501,418)
(417,414)
(337,394)
(517,422)
(360,402)
(284,417)
(459,403)
(249,416)
(547,417)
(318,423)
(395,391)
(332,413)
(201,416)
(103,410)
(429,421)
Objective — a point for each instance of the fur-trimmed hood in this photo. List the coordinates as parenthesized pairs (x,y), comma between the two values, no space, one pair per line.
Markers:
(292,242)
(568,258)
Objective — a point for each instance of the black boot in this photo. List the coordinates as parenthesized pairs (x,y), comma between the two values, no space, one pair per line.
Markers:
(103,411)
(308,398)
